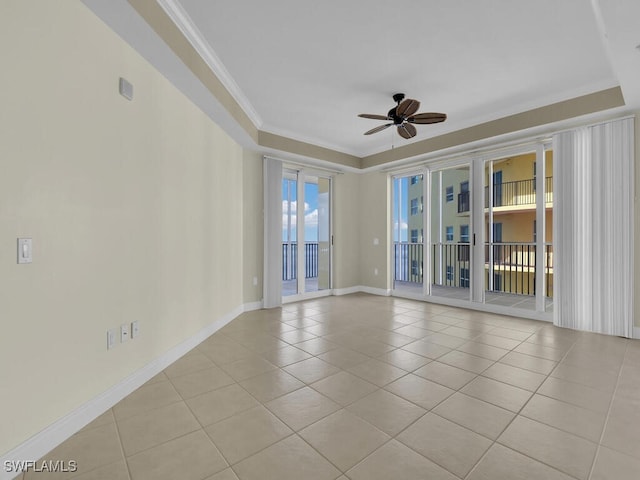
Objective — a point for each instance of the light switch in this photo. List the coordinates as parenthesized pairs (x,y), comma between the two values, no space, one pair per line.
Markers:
(25,252)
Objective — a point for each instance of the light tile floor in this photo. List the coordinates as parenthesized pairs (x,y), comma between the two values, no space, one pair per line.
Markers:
(365,388)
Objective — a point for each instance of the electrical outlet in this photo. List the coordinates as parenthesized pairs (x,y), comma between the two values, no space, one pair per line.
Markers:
(135,329)
(255,281)
(124,332)
(375,271)
(111,338)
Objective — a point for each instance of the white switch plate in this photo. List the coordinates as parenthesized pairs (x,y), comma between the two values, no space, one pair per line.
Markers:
(124,332)
(376,241)
(255,281)
(375,271)
(25,253)
(111,338)
(135,329)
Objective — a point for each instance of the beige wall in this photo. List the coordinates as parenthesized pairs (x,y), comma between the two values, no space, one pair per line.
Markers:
(135,210)
(347,206)
(374,223)
(252,226)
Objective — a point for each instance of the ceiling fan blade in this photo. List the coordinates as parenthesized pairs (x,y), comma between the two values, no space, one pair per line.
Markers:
(431,117)
(407,107)
(406,130)
(378,129)
(374,117)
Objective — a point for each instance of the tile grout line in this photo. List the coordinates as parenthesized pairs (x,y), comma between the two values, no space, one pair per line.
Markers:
(606,419)
(518,413)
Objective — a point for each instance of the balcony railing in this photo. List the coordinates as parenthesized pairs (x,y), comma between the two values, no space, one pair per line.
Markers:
(514,265)
(510,194)
(290,260)
(408,262)
(520,192)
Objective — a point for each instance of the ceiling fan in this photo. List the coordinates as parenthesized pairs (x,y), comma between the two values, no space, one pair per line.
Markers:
(404,116)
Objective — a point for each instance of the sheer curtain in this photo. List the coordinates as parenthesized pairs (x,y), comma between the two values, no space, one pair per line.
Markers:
(272,291)
(593,175)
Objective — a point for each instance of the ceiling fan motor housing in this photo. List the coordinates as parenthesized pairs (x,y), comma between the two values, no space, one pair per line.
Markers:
(398,97)
(392,115)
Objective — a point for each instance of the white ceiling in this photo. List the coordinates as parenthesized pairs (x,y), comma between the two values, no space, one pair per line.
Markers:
(305,69)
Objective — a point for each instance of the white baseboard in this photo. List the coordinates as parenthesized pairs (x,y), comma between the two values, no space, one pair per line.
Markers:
(250,307)
(59,431)
(346,291)
(361,289)
(376,291)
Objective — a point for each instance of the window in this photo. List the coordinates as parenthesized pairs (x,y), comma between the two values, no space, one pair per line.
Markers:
(449,231)
(449,192)
(464,233)
(414,206)
(535,231)
(464,277)
(463,198)
(414,235)
(449,273)
(416,268)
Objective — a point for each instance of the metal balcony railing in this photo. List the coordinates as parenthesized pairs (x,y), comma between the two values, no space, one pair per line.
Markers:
(408,262)
(290,260)
(520,192)
(513,265)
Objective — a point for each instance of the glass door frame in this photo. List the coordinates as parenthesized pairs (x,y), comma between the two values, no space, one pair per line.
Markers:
(484,162)
(436,168)
(405,293)
(476,163)
(300,175)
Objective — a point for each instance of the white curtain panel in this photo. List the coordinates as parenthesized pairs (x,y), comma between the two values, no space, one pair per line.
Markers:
(593,193)
(272,292)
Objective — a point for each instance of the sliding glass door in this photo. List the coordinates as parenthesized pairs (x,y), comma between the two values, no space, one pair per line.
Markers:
(488,238)
(450,227)
(408,233)
(306,233)
(519,206)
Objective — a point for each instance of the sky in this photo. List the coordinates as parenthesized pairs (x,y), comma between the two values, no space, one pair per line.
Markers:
(400,199)
(310,210)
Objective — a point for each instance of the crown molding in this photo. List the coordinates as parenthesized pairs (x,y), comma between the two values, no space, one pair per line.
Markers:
(182,20)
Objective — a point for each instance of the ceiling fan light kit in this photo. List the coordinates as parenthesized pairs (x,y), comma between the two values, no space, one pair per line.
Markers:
(403,116)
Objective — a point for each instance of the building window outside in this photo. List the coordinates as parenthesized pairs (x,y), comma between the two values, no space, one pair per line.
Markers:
(449,273)
(415,179)
(464,233)
(414,206)
(415,268)
(464,277)
(414,235)
(449,233)
(449,192)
